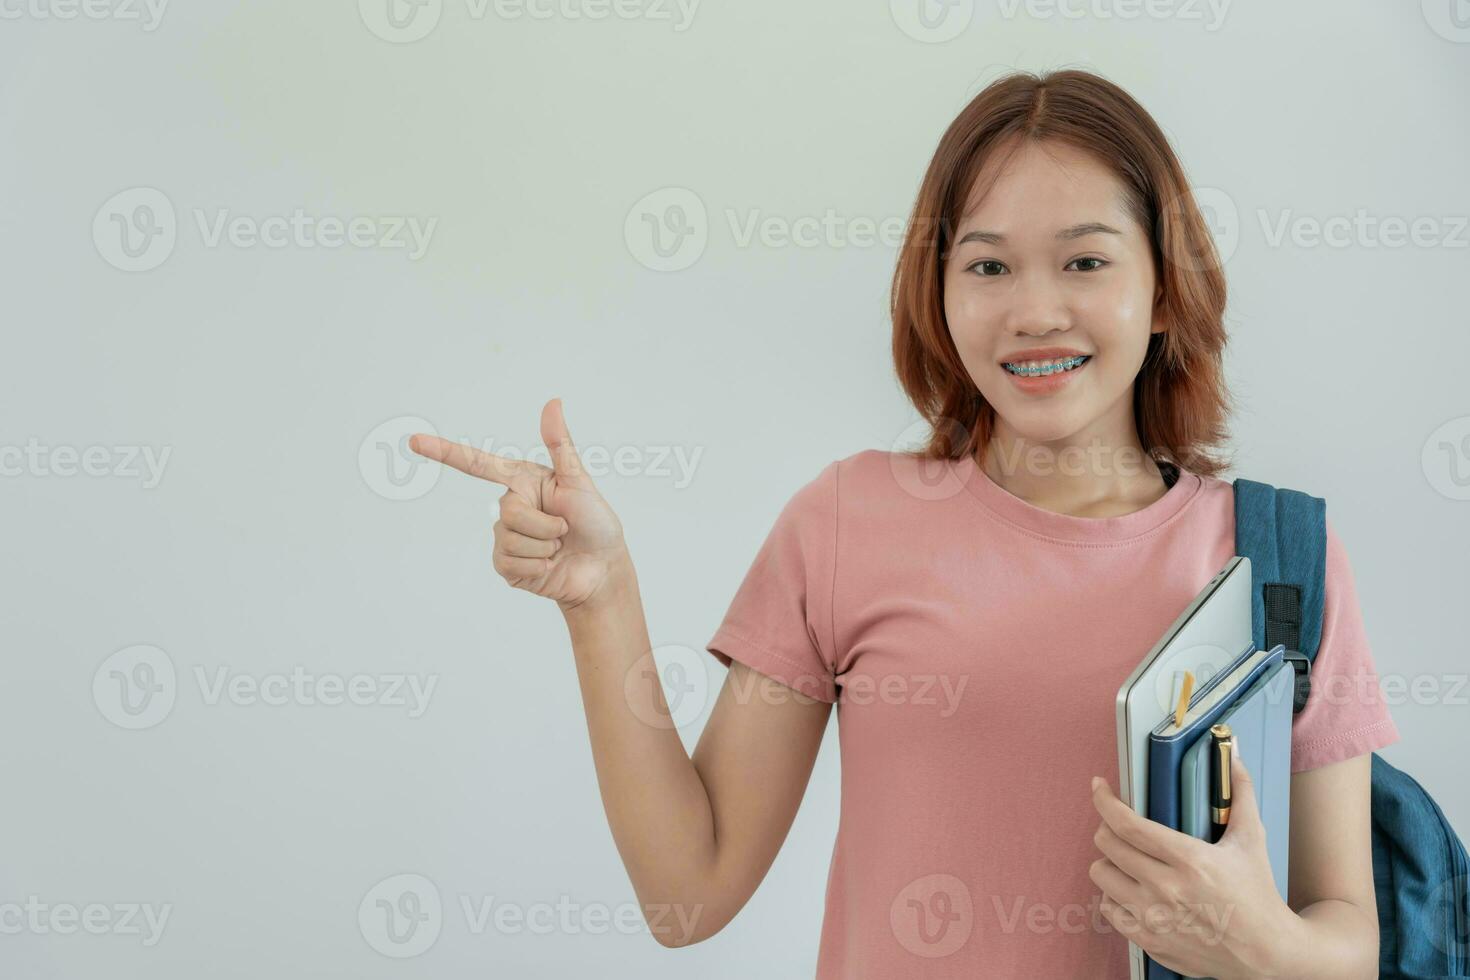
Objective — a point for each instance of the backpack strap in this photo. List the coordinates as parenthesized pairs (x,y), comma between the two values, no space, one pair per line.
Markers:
(1284,534)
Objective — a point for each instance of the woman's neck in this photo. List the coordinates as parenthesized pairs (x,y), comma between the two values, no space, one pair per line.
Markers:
(1073,481)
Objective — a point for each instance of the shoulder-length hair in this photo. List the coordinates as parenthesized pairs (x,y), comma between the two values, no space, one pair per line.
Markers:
(1180,404)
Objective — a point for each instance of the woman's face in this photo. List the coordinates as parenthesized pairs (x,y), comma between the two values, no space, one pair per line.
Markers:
(1051,259)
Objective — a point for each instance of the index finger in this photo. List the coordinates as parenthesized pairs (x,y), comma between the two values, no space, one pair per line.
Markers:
(466,459)
(1149,836)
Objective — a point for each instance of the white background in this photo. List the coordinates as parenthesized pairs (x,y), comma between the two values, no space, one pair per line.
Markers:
(270,374)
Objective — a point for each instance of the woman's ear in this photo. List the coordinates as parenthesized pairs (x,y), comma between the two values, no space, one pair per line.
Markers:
(1159,324)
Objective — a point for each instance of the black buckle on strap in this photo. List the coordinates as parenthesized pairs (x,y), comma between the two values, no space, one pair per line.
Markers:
(1283,603)
(1303,679)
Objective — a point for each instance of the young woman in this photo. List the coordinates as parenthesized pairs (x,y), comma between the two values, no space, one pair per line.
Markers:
(972,608)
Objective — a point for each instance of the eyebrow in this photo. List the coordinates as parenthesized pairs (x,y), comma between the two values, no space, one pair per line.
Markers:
(1066,234)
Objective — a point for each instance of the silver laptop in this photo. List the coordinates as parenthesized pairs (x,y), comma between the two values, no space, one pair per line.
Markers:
(1211,633)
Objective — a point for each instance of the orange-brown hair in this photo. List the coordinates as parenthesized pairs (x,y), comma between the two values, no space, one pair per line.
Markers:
(1180,401)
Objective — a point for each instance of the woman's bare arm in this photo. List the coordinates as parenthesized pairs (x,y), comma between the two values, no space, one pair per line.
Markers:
(1329,882)
(696,835)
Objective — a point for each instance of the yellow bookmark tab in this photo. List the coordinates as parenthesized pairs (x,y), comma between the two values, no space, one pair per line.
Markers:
(1184,693)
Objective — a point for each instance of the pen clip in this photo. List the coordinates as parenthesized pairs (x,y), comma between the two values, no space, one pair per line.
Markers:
(1222,748)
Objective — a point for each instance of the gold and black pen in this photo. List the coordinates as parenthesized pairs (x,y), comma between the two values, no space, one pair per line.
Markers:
(1220,748)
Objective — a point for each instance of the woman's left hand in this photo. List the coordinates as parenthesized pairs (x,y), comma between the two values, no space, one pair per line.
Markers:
(1200,909)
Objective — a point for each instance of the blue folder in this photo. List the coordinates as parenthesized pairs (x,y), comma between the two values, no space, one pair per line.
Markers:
(1254,696)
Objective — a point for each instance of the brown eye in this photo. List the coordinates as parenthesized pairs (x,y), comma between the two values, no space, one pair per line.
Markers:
(1100,263)
(983,263)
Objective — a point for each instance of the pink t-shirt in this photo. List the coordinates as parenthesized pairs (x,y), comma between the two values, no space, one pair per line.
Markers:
(974,644)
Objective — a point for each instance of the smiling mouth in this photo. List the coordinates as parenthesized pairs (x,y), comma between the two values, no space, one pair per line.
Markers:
(1045,369)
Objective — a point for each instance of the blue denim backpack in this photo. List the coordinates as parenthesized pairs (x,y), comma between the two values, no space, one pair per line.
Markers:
(1421,875)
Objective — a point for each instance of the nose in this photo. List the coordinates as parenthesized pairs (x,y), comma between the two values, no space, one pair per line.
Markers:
(1037,307)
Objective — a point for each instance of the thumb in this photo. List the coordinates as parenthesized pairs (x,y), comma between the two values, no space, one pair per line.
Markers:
(1243,812)
(564,458)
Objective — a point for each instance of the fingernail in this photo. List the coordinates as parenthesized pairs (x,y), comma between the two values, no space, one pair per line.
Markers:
(1095,782)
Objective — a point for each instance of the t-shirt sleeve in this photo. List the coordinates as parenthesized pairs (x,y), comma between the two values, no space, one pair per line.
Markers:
(780,622)
(1346,714)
